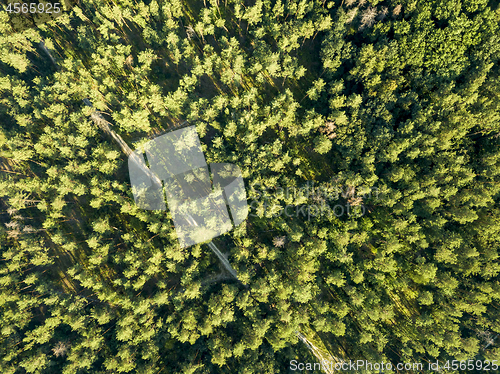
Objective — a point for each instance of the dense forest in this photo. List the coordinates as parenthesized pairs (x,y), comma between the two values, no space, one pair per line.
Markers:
(389,110)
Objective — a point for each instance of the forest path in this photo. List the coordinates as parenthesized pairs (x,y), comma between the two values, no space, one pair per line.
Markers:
(105,127)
